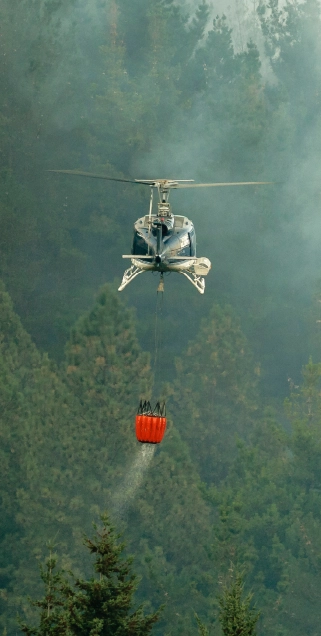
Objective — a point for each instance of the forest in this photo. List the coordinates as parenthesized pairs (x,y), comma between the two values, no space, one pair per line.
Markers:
(144,89)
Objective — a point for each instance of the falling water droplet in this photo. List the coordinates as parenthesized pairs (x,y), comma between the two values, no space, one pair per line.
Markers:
(133,479)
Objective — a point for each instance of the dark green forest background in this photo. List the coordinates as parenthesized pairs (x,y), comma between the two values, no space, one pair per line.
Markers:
(156,89)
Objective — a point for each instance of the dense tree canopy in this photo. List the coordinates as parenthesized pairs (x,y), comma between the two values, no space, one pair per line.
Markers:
(158,88)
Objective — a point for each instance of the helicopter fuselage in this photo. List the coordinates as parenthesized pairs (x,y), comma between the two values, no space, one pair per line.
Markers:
(166,244)
(164,239)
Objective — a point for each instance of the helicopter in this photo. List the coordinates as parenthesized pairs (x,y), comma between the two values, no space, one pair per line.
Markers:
(163,241)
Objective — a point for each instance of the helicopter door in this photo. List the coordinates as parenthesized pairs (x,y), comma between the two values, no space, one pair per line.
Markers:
(139,245)
(192,240)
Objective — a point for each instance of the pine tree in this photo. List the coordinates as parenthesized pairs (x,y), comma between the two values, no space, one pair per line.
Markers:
(236,616)
(43,461)
(202,629)
(215,393)
(100,606)
(108,373)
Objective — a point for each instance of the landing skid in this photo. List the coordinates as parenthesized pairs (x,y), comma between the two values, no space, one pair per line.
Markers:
(129,275)
(133,271)
(197,281)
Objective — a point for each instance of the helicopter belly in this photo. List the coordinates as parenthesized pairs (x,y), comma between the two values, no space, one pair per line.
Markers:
(199,266)
(178,266)
(145,265)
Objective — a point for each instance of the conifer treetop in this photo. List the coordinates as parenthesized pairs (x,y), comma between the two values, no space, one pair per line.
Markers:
(99,606)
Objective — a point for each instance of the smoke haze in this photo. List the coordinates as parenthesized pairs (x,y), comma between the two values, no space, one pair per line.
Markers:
(263,242)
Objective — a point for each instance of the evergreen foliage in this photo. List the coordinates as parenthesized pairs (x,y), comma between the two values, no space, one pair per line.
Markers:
(215,393)
(202,629)
(237,618)
(151,88)
(99,606)
(108,373)
(70,452)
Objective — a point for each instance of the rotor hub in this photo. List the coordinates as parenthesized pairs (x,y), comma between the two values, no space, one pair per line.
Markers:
(164,209)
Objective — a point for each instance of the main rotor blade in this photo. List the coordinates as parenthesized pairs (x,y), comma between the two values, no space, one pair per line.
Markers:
(92,175)
(161,182)
(207,185)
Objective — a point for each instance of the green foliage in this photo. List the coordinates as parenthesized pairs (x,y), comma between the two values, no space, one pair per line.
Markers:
(68,449)
(137,88)
(215,396)
(53,619)
(269,513)
(108,373)
(202,629)
(99,606)
(173,551)
(236,615)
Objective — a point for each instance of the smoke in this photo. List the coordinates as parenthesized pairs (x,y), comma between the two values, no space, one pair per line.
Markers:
(133,480)
(56,55)
(263,243)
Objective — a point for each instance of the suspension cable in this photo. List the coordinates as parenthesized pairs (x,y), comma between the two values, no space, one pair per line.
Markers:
(158,325)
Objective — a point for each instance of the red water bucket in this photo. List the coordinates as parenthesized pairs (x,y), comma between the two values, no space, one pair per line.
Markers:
(150,423)
(150,429)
